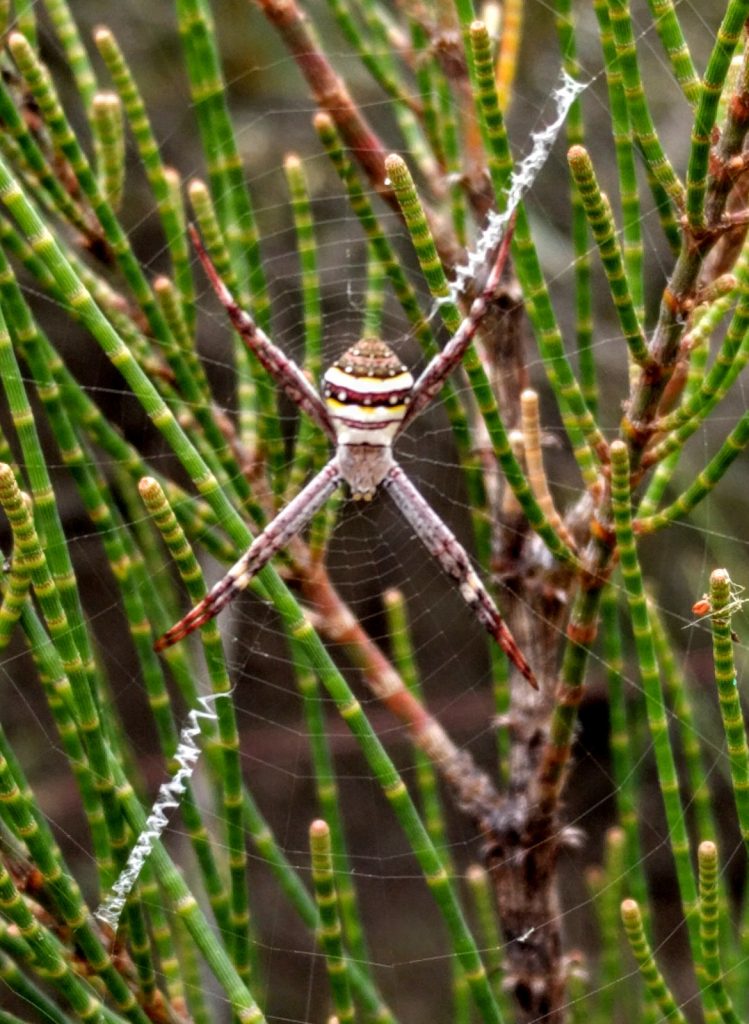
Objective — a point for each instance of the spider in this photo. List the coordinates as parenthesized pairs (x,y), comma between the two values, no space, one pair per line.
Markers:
(704,609)
(368,398)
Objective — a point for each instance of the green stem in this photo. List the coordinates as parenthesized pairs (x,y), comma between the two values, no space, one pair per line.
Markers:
(326,896)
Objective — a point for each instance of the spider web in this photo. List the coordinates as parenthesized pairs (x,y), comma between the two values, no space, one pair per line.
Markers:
(371,550)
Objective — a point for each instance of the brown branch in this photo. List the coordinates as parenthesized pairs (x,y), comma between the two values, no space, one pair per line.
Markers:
(331,95)
(472,789)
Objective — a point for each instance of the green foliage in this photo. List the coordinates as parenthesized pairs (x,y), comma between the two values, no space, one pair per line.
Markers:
(574,573)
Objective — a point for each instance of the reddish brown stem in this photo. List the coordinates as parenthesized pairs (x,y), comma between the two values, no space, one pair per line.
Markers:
(331,95)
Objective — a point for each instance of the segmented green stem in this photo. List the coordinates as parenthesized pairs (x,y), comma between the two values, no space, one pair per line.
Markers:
(273,856)
(721,597)
(399,799)
(233,207)
(614,878)
(62,706)
(329,929)
(580,632)
(448,117)
(707,860)
(491,120)
(707,109)
(51,668)
(176,889)
(75,52)
(168,298)
(426,778)
(676,48)
(228,188)
(16,127)
(621,130)
(375,295)
(479,883)
(685,720)
(433,812)
(130,571)
(44,500)
(121,559)
(578,421)
(109,146)
(301,208)
(239,936)
(375,52)
(250,375)
(434,274)
(665,469)
(300,899)
(730,360)
(28,993)
(16,585)
(293,619)
(731,448)
(422,240)
(63,890)
(427,76)
(642,953)
(623,756)
(49,959)
(637,105)
(328,797)
(601,219)
(53,575)
(157,174)
(363,209)
(39,82)
(656,712)
(196,517)
(188,911)
(159,933)
(22,806)
(311,445)
(574,127)
(191,992)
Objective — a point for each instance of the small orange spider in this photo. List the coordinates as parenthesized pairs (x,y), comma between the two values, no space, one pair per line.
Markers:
(703,608)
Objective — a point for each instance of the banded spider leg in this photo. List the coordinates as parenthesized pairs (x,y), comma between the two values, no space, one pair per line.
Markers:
(287,524)
(452,557)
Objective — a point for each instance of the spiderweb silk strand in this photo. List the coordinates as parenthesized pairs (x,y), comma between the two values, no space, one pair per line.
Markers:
(521,182)
(169,796)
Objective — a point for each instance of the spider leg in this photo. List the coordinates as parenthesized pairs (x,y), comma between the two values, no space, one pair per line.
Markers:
(442,544)
(283,370)
(430,382)
(276,535)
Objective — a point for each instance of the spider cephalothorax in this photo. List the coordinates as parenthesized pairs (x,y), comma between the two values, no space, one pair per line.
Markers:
(368,398)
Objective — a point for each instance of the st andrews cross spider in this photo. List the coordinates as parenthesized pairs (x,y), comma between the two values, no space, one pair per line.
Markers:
(368,398)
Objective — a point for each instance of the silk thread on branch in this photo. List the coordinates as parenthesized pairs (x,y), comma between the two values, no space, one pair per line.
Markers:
(521,182)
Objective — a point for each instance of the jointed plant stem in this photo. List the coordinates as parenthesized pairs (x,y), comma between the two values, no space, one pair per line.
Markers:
(721,610)
(326,896)
(709,938)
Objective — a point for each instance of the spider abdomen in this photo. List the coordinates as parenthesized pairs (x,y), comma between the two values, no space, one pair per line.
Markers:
(367,391)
